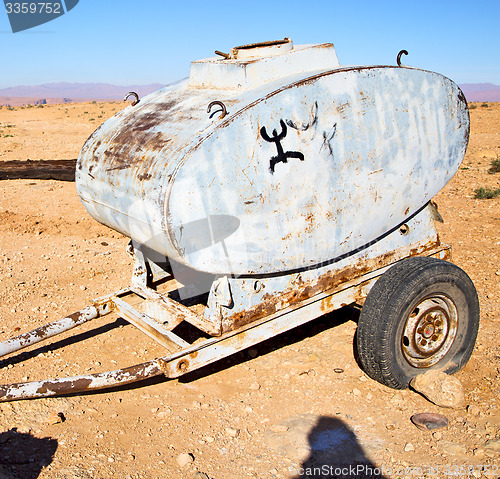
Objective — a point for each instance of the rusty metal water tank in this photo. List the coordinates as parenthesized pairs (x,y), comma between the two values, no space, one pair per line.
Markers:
(274,157)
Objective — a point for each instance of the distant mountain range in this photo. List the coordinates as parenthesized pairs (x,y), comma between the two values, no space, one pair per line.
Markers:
(68,92)
(481,91)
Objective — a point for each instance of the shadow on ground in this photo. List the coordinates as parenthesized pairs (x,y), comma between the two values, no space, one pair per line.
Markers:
(335,453)
(23,456)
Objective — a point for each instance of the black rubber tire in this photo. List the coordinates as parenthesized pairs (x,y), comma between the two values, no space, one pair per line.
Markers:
(393,300)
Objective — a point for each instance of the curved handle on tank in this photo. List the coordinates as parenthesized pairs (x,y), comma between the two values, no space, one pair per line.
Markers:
(402,52)
(135,95)
(218,103)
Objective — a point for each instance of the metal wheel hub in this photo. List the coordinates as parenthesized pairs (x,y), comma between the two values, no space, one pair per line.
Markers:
(429,331)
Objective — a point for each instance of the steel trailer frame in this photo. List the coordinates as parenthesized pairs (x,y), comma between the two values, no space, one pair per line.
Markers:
(183,357)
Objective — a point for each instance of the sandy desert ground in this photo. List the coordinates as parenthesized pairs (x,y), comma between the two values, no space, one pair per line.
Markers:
(263,413)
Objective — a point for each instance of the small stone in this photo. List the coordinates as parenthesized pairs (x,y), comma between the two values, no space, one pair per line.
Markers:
(409,447)
(437,436)
(452,448)
(440,389)
(254,386)
(278,428)
(478,452)
(248,409)
(232,432)
(492,446)
(429,420)
(184,459)
(201,475)
(390,427)
(473,409)
(356,392)
(396,400)
(209,439)
(55,418)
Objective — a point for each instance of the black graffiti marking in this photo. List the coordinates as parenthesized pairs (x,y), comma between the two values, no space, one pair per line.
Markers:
(305,126)
(281,157)
(327,138)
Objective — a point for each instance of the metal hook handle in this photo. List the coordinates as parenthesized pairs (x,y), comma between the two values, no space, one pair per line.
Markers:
(218,103)
(135,95)
(402,52)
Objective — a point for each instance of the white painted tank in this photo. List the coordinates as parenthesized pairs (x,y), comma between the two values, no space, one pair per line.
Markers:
(299,161)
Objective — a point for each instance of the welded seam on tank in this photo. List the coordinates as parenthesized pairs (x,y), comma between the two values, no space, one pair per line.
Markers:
(337,258)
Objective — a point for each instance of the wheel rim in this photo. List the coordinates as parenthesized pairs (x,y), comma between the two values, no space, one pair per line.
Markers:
(429,331)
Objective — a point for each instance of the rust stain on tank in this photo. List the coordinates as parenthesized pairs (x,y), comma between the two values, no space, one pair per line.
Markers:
(144,177)
(300,290)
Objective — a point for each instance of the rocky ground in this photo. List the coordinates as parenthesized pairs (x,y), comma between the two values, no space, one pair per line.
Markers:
(298,401)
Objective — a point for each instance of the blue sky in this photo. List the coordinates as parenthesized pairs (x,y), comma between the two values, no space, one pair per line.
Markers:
(153,41)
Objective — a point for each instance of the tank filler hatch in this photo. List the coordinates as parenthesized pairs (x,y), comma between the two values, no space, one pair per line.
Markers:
(248,66)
